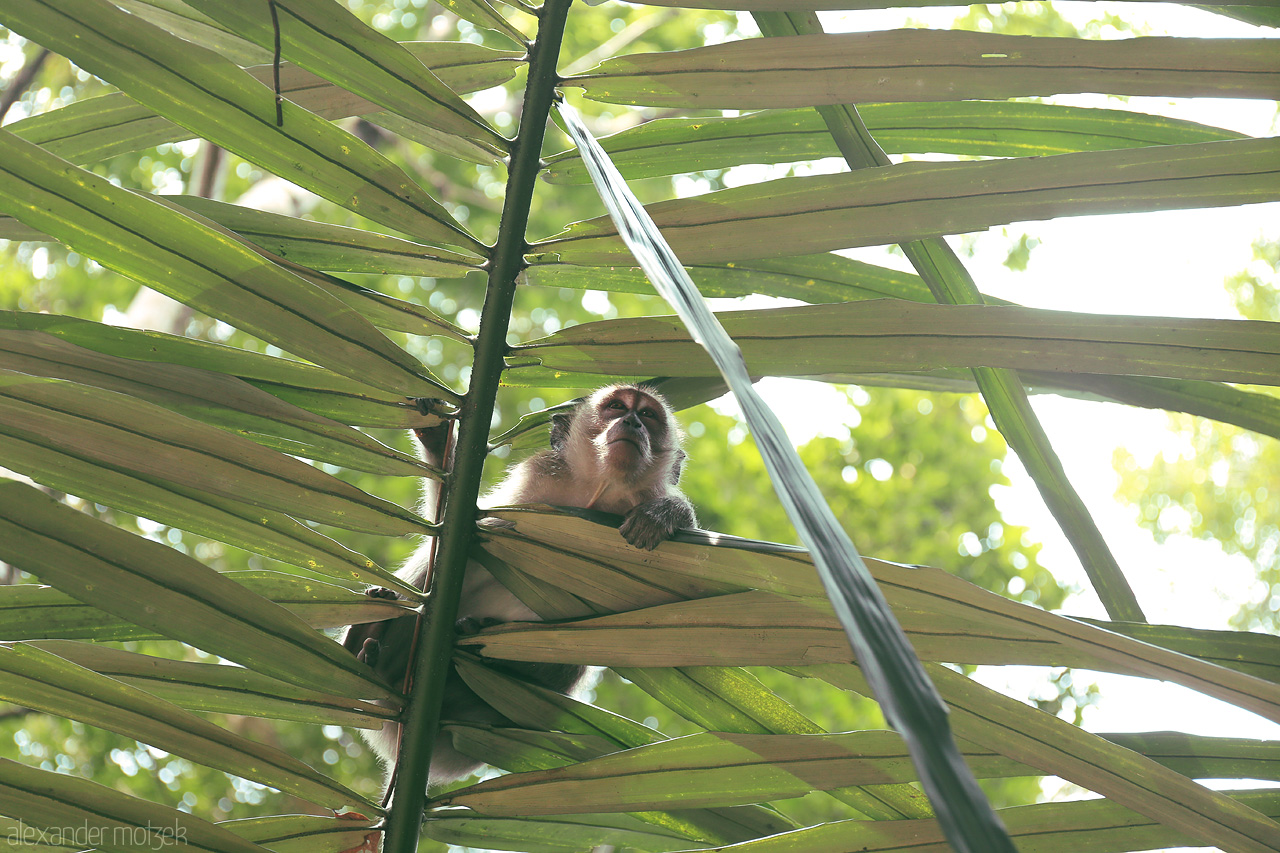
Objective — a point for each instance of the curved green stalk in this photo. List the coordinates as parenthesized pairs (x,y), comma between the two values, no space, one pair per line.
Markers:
(422,718)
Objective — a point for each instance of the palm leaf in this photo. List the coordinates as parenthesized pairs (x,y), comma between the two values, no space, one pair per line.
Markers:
(309,387)
(210,438)
(34,612)
(338,46)
(893,336)
(975,128)
(41,680)
(232,109)
(982,715)
(48,799)
(147,439)
(187,260)
(98,128)
(792,216)
(213,688)
(156,587)
(807,70)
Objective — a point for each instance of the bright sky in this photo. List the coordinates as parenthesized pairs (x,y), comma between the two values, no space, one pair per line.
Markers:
(1168,263)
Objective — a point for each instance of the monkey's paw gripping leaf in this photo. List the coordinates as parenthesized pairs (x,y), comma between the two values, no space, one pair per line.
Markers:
(652,523)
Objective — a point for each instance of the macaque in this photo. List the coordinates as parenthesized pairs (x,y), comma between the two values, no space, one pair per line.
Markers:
(618,451)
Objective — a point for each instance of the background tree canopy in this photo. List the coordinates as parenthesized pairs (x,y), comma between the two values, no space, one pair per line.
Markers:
(242,237)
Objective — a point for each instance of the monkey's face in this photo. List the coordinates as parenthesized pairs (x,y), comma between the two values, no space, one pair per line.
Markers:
(632,428)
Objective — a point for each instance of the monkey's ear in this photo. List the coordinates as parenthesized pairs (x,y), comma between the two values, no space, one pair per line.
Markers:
(560,428)
(677,467)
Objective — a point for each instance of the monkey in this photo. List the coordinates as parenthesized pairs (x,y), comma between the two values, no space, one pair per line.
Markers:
(618,450)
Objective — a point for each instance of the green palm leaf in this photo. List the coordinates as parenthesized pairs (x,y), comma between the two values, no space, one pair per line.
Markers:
(807,70)
(793,216)
(229,107)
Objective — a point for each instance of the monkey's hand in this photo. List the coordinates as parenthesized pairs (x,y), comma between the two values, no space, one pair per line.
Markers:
(652,522)
(383,645)
(363,640)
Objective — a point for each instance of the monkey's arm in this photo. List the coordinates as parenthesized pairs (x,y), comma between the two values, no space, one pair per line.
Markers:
(652,522)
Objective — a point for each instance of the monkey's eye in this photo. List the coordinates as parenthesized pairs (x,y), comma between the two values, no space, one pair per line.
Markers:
(648,413)
(616,404)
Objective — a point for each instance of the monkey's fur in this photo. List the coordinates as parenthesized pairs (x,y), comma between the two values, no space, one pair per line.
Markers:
(617,451)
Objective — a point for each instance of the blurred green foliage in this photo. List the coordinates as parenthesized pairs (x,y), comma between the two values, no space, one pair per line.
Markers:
(1220,484)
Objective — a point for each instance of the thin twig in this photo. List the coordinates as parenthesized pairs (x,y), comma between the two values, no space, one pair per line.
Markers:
(21,81)
(275,62)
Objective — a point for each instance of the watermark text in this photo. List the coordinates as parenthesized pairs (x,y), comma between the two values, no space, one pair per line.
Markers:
(85,835)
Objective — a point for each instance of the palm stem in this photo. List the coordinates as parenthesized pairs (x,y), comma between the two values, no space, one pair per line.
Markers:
(422,715)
